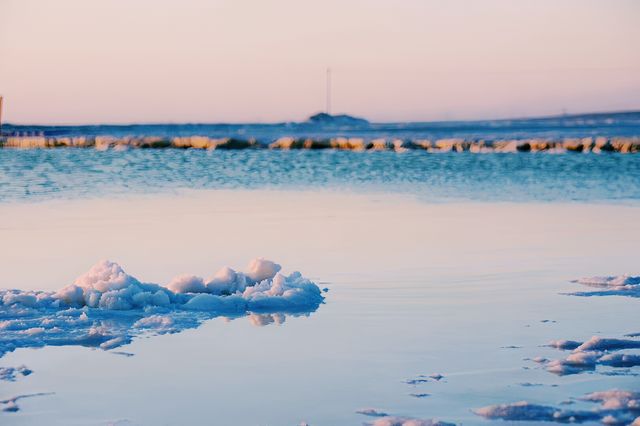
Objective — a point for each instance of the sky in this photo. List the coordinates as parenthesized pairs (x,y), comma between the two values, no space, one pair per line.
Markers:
(124,61)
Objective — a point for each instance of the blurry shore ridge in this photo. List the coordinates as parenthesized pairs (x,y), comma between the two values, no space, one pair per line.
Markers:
(600,132)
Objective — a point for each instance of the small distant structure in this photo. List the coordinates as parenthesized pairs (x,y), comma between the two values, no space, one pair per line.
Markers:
(329,120)
(0,115)
(325,119)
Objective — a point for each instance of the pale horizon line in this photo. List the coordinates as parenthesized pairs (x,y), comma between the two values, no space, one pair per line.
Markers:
(234,123)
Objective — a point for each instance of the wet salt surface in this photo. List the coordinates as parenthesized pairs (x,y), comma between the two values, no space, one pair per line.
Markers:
(415,290)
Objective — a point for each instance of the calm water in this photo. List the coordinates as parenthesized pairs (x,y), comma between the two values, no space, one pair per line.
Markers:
(414,288)
(70,173)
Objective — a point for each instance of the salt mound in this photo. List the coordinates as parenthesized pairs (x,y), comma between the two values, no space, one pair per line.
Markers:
(106,307)
(262,269)
(564,344)
(574,363)
(615,399)
(107,286)
(521,410)
(187,284)
(226,281)
(620,360)
(105,276)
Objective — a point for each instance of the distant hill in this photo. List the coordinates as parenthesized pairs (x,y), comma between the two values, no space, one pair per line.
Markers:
(337,120)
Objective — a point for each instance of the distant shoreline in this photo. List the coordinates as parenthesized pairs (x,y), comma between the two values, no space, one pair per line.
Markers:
(597,132)
(603,115)
(103,143)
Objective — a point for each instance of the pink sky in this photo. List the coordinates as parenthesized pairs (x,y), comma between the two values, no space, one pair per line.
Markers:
(119,61)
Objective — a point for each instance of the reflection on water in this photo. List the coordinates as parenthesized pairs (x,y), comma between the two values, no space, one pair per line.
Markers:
(24,328)
(260,320)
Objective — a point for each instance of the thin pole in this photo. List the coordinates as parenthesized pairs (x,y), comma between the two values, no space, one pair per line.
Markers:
(0,115)
(328,90)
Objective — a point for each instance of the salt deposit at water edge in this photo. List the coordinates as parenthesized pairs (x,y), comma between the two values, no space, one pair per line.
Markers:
(610,281)
(620,360)
(610,285)
(372,412)
(586,356)
(385,419)
(107,308)
(525,411)
(10,374)
(597,343)
(564,344)
(407,421)
(616,407)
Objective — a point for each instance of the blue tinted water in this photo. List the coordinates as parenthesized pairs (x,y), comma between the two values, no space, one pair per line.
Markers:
(71,173)
(415,288)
